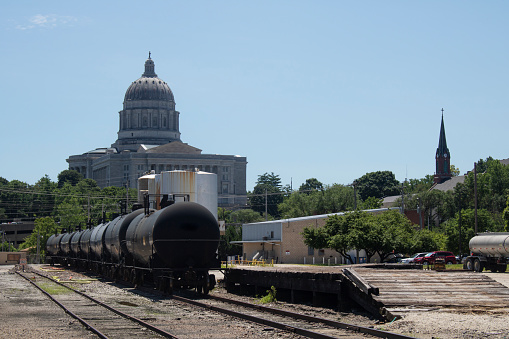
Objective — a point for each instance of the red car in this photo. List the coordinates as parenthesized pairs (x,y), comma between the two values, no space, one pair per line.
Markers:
(429,259)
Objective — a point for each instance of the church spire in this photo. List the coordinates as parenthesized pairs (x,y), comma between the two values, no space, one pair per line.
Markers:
(442,142)
(442,157)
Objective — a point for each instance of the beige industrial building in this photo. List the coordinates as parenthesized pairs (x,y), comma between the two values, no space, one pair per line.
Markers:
(281,241)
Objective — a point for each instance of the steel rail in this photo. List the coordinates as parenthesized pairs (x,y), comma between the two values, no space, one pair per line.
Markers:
(332,323)
(127,316)
(66,310)
(281,326)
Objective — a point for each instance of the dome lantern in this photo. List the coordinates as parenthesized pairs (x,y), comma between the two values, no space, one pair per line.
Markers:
(149,68)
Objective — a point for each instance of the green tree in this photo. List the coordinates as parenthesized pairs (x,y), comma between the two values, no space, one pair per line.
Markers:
(427,241)
(44,227)
(311,184)
(332,199)
(15,200)
(70,176)
(372,203)
(419,185)
(394,234)
(382,233)
(377,184)
(455,171)
(43,198)
(485,222)
(267,186)
(506,216)
(245,216)
(226,248)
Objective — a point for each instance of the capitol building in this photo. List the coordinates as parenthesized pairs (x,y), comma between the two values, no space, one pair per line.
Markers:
(149,140)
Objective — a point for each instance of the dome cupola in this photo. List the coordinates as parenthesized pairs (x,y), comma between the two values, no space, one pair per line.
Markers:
(148,87)
(149,115)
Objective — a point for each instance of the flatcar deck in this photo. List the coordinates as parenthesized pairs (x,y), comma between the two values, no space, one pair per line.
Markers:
(428,288)
(384,290)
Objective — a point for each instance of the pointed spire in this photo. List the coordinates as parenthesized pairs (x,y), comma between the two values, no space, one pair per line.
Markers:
(442,157)
(442,142)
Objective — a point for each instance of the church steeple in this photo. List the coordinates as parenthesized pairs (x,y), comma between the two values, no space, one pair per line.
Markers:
(442,157)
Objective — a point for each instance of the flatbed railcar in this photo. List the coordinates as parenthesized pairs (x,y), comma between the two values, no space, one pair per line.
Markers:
(174,247)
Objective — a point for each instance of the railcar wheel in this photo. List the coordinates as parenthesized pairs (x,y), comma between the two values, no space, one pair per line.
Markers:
(477,265)
(469,265)
(502,268)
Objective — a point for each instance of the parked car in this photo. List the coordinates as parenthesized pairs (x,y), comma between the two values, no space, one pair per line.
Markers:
(412,258)
(394,258)
(430,258)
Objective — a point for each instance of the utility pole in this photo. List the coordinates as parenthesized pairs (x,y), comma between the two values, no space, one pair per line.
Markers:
(475,198)
(37,258)
(266,215)
(402,198)
(127,195)
(355,195)
(419,211)
(89,221)
(459,224)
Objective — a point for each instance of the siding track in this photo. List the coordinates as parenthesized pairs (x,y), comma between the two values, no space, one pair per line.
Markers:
(304,325)
(99,318)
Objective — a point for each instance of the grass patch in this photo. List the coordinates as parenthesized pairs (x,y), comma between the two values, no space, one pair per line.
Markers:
(54,289)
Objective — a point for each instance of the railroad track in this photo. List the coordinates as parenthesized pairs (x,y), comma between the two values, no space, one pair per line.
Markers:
(295,323)
(98,317)
(304,325)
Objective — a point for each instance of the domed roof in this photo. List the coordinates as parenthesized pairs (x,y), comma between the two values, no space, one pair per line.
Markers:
(149,86)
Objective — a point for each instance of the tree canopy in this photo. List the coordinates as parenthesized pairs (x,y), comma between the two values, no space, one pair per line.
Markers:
(383,233)
(267,186)
(377,184)
(311,184)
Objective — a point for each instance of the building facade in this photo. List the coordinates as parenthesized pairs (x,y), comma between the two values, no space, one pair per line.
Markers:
(282,241)
(149,140)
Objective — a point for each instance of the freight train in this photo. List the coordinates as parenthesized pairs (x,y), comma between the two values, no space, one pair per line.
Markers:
(174,247)
(488,251)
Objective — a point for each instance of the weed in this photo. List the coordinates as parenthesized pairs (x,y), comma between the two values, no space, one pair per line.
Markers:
(54,289)
(270,297)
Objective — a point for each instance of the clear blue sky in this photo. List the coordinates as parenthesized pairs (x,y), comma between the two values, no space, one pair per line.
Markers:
(325,89)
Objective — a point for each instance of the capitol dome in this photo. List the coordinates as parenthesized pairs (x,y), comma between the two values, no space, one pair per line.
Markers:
(148,116)
(148,90)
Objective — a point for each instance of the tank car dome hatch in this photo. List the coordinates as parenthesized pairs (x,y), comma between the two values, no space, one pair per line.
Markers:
(148,87)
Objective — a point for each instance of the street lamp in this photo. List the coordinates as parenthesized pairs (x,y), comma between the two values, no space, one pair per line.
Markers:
(419,211)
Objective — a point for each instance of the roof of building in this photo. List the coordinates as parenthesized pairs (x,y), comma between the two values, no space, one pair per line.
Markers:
(320,216)
(149,86)
(172,147)
(449,185)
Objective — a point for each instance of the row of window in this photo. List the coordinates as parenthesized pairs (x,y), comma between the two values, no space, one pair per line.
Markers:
(135,121)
